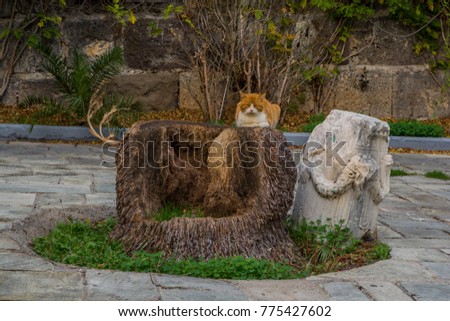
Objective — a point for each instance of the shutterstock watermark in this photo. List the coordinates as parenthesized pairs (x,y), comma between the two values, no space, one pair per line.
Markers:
(183,152)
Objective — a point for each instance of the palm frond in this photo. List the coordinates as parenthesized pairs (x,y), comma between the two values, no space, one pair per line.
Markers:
(106,66)
(37,100)
(81,84)
(57,66)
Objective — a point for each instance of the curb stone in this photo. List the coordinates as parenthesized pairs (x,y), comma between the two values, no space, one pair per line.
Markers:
(70,133)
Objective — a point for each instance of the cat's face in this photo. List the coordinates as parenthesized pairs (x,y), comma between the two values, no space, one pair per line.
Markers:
(252,104)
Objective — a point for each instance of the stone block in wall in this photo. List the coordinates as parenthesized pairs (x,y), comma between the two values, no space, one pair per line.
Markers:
(191,96)
(146,52)
(22,86)
(157,91)
(381,43)
(362,89)
(416,94)
(81,32)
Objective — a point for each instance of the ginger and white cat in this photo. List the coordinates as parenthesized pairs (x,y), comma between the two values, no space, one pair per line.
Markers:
(254,110)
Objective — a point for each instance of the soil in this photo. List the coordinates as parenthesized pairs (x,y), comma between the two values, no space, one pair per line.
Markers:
(41,222)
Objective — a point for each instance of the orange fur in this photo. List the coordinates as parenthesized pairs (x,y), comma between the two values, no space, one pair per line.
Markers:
(263,113)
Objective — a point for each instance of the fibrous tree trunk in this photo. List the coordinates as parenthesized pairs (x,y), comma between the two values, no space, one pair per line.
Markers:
(242,179)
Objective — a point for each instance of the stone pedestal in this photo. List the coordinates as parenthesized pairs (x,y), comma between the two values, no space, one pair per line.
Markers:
(344,172)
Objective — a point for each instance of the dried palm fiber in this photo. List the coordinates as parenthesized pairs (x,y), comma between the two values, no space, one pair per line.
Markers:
(242,178)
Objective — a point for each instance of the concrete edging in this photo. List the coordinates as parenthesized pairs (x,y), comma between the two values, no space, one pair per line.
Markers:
(69,133)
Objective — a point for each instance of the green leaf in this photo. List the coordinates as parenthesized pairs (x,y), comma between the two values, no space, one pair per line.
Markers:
(258,14)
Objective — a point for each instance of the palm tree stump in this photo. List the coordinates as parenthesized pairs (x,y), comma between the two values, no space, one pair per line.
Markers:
(242,179)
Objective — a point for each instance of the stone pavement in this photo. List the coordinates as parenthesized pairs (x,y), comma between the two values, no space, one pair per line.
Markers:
(414,221)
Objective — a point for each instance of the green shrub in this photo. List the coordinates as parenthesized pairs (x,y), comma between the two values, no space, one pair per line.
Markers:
(313,121)
(398,172)
(416,128)
(437,175)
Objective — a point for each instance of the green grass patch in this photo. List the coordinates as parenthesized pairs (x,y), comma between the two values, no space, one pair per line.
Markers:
(322,248)
(416,128)
(313,121)
(170,211)
(398,172)
(437,175)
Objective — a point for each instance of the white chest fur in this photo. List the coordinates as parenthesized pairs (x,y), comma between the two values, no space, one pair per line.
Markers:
(251,117)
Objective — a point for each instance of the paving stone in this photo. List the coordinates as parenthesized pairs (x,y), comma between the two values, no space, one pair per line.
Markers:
(423,233)
(427,291)
(418,223)
(4,226)
(426,255)
(51,286)
(382,271)
(384,291)
(283,290)
(419,243)
(108,199)
(14,213)
(406,214)
(344,291)
(60,200)
(109,285)
(175,288)
(441,269)
(11,170)
(105,187)
(384,232)
(42,184)
(17,199)
(8,244)
(23,262)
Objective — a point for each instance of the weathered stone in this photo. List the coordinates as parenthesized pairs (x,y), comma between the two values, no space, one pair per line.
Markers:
(384,291)
(175,288)
(191,96)
(157,91)
(344,291)
(374,46)
(362,89)
(146,52)
(242,179)
(428,291)
(51,286)
(283,290)
(441,269)
(60,200)
(419,243)
(411,254)
(383,271)
(415,94)
(23,262)
(7,244)
(24,86)
(345,171)
(83,32)
(110,285)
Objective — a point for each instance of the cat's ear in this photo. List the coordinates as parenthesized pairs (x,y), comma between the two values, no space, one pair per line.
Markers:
(241,95)
(263,95)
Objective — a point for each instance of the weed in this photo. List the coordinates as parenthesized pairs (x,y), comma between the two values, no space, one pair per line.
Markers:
(437,175)
(322,248)
(171,210)
(320,244)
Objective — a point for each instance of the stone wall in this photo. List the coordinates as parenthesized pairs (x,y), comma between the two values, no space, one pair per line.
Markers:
(384,79)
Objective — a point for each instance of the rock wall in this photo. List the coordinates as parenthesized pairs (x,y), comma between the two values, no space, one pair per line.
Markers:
(383,77)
